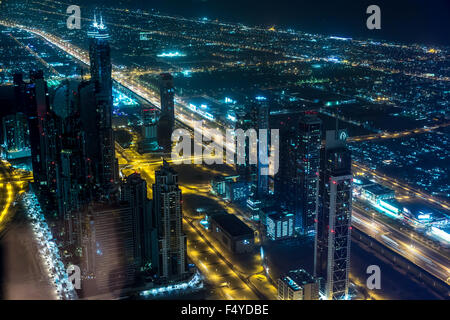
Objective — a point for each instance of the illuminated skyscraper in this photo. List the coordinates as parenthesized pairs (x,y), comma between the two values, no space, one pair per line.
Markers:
(75,187)
(301,170)
(246,171)
(308,157)
(108,248)
(168,212)
(16,141)
(45,132)
(167,93)
(149,129)
(167,119)
(101,68)
(256,118)
(296,182)
(134,191)
(262,125)
(333,219)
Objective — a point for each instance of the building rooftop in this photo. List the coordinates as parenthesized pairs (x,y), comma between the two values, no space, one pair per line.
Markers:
(378,189)
(360,181)
(279,215)
(297,278)
(232,224)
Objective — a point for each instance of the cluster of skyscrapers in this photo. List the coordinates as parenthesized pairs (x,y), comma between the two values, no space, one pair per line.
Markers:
(118,236)
(312,191)
(107,225)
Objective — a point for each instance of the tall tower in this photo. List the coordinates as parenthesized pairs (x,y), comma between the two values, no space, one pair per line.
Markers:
(101,68)
(149,129)
(134,191)
(167,119)
(307,156)
(246,120)
(45,131)
(262,123)
(108,247)
(167,93)
(296,182)
(333,218)
(172,240)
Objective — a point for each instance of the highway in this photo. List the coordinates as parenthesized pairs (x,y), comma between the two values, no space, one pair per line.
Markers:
(230,278)
(408,247)
(188,118)
(396,135)
(400,186)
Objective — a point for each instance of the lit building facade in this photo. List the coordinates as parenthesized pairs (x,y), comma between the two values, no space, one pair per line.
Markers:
(280,226)
(333,218)
(134,191)
(108,247)
(101,78)
(296,183)
(298,285)
(149,129)
(168,213)
(16,139)
(167,119)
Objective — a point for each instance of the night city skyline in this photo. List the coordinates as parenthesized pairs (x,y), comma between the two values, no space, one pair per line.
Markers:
(179,151)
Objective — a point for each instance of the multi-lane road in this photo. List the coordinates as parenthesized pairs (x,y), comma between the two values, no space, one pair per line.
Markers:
(422,255)
(400,186)
(397,135)
(230,278)
(184,115)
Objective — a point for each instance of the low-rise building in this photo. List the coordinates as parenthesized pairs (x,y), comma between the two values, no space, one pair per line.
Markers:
(298,285)
(232,233)
(377,192)
(280,225)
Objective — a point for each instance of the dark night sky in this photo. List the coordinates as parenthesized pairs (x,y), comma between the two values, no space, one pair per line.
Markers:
(402,20)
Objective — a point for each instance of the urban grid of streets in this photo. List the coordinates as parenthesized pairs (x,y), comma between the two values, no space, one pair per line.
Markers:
(235,281)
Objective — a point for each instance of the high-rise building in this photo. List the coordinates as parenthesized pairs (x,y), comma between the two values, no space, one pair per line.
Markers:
(75,188)
(256,117)
(333,218)
(101,78)
(262,125)
(149,129)
(307,167)
(167,118)
(168,212)
(16,138)
(167,93)
(108,247)
(247,172)
(296,182)
(134,191)
(14,133)
(45,132)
